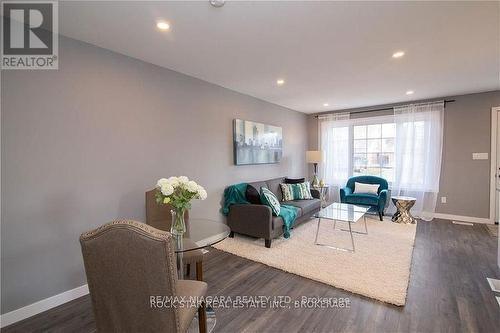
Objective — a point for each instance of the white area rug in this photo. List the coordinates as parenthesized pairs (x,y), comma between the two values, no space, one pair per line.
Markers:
(380,267)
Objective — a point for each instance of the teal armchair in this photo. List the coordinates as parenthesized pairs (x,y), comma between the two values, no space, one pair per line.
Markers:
(376,202)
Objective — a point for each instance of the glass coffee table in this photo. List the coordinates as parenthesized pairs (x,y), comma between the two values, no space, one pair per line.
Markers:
(341,212)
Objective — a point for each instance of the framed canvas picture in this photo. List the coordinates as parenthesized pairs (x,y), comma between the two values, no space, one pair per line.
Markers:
(256,143)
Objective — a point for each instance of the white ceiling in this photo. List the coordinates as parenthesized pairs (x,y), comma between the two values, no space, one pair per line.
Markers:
(327,52)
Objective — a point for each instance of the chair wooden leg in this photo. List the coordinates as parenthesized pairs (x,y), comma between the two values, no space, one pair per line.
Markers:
(199,271)
(268,243)
(381,216)
(231,234)
(188,269)
(202,318)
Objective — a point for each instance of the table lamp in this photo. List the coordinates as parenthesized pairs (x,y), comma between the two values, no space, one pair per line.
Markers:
(314,157)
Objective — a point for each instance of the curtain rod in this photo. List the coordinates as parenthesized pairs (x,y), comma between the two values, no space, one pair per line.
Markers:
(384,109)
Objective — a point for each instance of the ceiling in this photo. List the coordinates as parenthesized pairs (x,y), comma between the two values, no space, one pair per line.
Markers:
(327,52)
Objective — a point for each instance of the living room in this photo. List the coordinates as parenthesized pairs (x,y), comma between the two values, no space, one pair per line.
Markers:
(306,166)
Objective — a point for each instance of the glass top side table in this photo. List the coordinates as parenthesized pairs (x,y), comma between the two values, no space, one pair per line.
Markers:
(200,233)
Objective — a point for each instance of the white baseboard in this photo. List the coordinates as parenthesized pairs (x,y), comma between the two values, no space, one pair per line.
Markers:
(463,218)
(43,305)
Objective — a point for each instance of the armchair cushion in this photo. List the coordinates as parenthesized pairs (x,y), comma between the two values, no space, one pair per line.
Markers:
(362,199)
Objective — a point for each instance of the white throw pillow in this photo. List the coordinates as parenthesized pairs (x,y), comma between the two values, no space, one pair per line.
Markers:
(366,188)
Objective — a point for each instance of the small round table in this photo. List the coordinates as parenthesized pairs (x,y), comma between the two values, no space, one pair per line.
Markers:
(200,233)
(403,205)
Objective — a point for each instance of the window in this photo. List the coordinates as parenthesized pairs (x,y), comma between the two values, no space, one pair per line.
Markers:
(373,150)
(367,146)
(405,148)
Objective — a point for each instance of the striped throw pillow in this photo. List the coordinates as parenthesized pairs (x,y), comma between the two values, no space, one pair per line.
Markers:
(301,191)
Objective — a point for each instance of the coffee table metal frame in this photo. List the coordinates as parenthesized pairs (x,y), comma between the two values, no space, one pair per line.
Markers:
(361,213)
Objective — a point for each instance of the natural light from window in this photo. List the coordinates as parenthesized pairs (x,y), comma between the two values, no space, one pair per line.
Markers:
(374,150)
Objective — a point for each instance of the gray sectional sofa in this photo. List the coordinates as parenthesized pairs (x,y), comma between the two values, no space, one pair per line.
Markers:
(258,220)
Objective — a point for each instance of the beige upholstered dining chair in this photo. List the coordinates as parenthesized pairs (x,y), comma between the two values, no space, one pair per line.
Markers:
(127,264)
(159,216)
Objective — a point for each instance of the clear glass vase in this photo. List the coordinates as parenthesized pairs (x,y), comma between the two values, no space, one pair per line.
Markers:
(178,226)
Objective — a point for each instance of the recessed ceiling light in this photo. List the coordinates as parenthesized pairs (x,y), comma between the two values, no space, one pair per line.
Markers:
(398,54)
(326,104)
(217,3)
(162,25)
(410,92)
(280,82)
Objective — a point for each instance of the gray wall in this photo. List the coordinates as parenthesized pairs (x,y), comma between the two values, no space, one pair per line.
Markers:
(81,145)
(467,129)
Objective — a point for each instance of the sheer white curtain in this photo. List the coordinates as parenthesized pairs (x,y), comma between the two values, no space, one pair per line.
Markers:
(335,143)
(419,145)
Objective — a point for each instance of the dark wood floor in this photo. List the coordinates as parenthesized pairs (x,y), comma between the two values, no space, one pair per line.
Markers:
(448,292)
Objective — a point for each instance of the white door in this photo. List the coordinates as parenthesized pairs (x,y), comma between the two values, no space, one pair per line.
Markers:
(497,179)
(496,142)
(497,187)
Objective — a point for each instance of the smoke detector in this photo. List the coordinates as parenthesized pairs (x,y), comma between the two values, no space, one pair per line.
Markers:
(217,3)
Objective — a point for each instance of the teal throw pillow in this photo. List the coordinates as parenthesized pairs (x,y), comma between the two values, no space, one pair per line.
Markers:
(269,199)
(301,191)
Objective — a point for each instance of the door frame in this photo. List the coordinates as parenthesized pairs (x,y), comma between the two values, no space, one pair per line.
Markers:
(493,159)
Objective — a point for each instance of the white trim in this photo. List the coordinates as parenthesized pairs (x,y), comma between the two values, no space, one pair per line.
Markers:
(43,305)
(493,160)
(463,218)
(462,223)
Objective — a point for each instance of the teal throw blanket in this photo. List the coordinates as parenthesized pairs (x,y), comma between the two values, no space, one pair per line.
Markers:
(235,194)
(288,214)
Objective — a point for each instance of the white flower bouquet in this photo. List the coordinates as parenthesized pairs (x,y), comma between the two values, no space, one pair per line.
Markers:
(178,192)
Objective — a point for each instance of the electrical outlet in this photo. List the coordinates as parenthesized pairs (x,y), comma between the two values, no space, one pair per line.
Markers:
(479,156)
(443,199)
